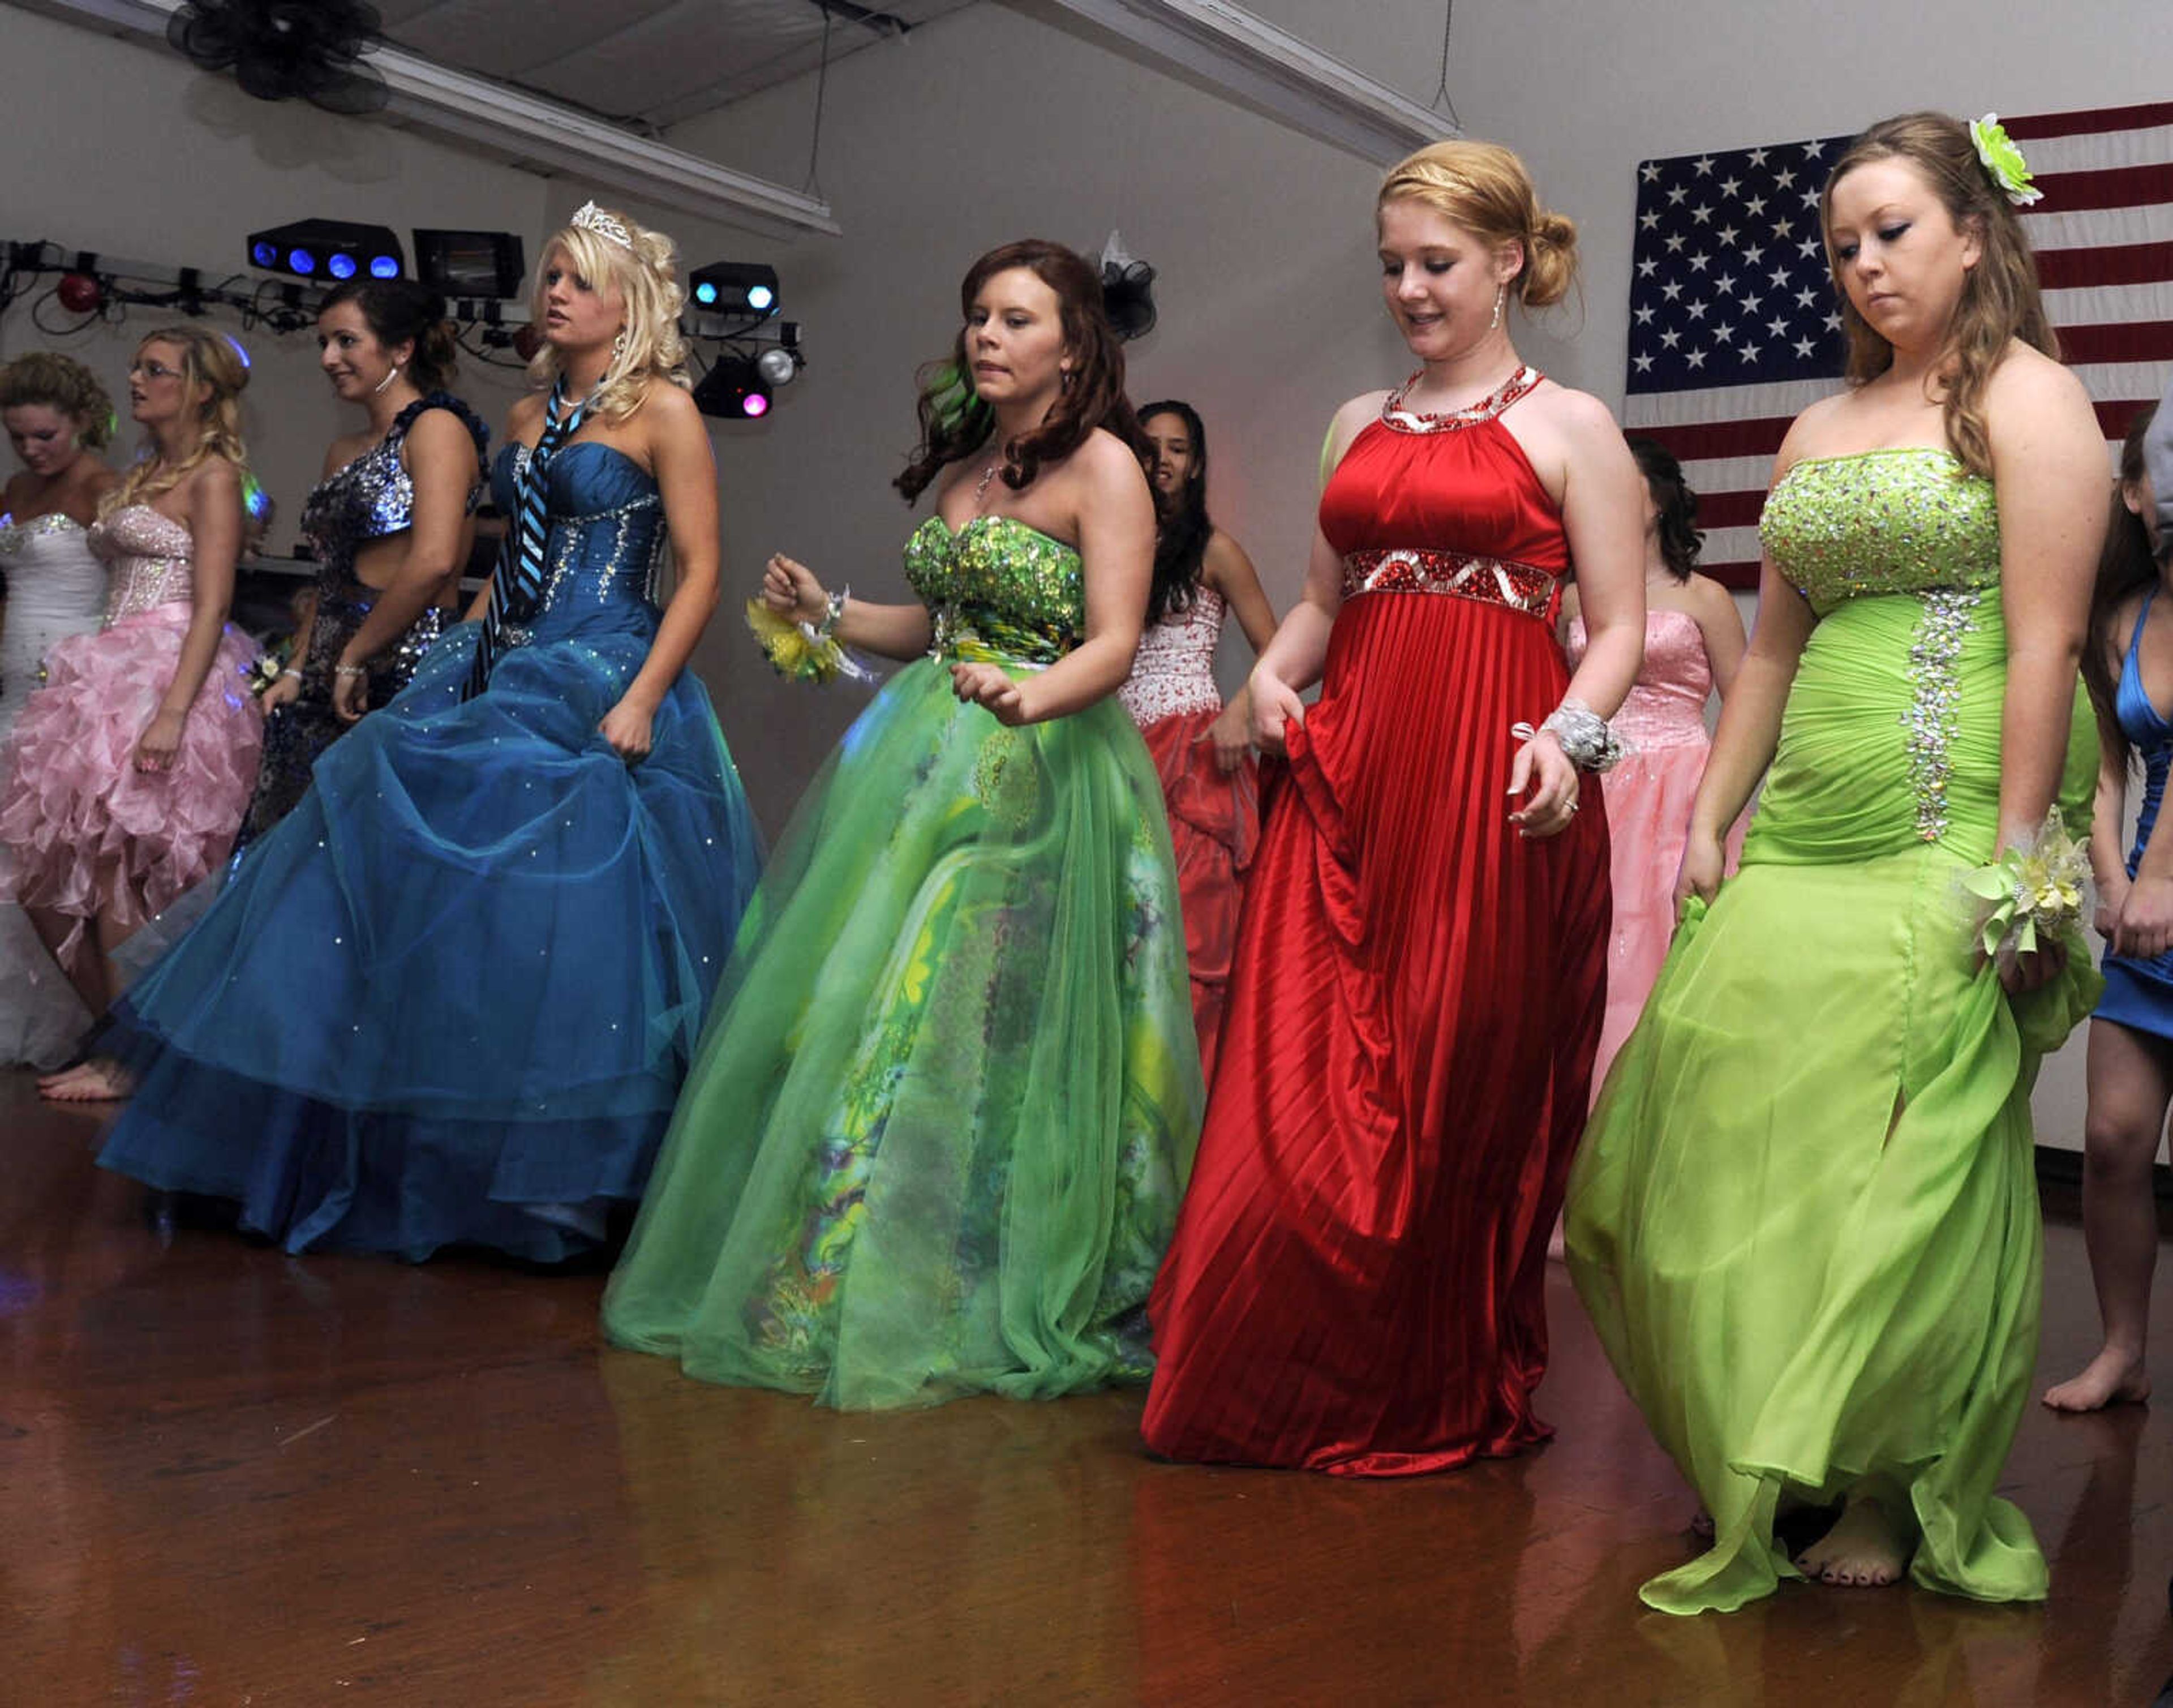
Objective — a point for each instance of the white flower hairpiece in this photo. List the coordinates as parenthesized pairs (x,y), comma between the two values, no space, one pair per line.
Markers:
(588,216)
(2003,160)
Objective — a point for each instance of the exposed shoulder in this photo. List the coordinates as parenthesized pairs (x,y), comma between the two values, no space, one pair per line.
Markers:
(2027,378)
(437,433)
(1577,413)
(1103,459)
(528,412)
(1702,596)
(214,481)
(2121,630)
(1807,432)
(9,493)
(667,405)
(1353,417)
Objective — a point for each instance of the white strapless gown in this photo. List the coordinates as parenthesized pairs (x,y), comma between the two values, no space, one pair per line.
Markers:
(55,589)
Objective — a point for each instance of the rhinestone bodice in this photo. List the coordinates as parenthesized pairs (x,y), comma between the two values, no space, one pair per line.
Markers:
(1173,670)
(998,589)
(374,495)
(606,530)
(152,558)
(1911,519)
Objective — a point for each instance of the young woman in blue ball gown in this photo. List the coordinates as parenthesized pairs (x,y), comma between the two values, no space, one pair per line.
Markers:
(449,1000)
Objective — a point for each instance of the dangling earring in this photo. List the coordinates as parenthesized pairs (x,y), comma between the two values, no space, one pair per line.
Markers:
(619,344)
(391,374)
(1500,296)
(1066,377)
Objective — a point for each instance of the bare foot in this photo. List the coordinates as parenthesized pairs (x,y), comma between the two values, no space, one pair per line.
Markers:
(98,1080)
(1864,1548)
(2113,1377)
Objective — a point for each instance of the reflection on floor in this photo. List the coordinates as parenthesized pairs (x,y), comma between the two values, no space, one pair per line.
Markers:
(229,1476)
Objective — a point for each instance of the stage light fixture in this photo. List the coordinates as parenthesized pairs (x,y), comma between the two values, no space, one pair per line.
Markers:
(734,389)
(479,264)
(331,248)
(777,365)
(742,287)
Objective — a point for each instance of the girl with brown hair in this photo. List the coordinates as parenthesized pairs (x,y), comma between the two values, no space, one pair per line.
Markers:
(1804,1219)
(934,1141)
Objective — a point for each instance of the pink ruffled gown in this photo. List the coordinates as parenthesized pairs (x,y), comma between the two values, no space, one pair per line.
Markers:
(1649,796)
(88,833)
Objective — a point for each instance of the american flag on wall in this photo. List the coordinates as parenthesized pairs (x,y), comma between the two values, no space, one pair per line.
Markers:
(1734,327)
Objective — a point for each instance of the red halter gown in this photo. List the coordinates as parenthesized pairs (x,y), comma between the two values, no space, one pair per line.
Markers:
(1356,1283)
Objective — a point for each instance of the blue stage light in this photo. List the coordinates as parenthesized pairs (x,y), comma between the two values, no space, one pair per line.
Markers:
(760,296)
(301,260)
(385,266)
(341,266)
(265,254)
(705,294)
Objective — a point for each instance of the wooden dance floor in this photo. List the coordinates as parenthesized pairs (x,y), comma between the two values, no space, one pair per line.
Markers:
(228,1476)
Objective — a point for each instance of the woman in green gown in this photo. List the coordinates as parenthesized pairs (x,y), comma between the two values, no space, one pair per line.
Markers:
(1804,1219)
(934,1141)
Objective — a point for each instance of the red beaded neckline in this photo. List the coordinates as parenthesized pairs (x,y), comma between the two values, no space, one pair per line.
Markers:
(1486,409)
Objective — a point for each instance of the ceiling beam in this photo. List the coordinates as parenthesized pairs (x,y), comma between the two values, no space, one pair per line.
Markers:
(1262,66)
(543,135)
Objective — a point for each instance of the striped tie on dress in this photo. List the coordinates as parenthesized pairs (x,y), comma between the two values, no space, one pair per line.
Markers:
(516,586)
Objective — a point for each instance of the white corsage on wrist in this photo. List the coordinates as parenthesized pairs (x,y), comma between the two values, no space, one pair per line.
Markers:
(2034,890)
(1584,735)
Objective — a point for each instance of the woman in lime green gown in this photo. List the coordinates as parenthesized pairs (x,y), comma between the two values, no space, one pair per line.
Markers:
(1804,1218)
(934,1141)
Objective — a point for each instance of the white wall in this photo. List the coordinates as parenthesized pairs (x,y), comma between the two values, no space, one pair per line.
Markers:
(123,147)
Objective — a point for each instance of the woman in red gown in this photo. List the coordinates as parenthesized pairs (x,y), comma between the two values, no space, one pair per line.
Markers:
(1356,1284)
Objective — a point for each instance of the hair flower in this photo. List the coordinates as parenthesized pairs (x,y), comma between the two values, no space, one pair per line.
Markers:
(2003,160)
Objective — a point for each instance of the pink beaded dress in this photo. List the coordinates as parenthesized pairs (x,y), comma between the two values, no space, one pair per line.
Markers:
(1649,795)
(1214,815)
(88,833)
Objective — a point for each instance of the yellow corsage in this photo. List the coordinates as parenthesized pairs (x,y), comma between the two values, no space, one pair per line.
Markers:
(799,651)
(2035,889)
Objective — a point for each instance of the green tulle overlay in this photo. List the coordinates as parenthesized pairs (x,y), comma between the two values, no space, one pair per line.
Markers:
(1804,1218)
(934,1142)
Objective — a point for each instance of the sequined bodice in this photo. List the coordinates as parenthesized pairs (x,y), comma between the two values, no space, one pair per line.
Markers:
(151,555)
(1666,705)
(998,589)
(374,495)
(606,527)
(1908,520)
(1173,670)
(51,571)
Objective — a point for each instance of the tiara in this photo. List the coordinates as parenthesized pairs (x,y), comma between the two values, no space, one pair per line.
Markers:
(588,216)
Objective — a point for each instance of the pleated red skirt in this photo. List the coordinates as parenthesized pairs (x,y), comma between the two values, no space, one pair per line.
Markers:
(1356,1284)
(1214,827)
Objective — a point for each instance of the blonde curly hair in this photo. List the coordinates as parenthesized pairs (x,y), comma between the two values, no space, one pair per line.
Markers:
(50,380)
(211,360)
(643,272)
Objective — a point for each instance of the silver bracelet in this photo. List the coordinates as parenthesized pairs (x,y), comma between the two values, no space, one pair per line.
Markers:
(832,610)
(290,671)
(1585,738)
(341,669)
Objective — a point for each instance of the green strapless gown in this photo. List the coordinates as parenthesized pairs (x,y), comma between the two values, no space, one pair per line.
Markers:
(934,1141)
(1804,1218)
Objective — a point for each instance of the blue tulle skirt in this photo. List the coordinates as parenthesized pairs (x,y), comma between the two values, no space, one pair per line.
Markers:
(450,999)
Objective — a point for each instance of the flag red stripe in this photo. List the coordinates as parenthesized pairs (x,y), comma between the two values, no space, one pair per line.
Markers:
(2114,417)
(1730,509)
(1698,441)
(2115,264)
(2109,187)
(2133,340)
(2094,123)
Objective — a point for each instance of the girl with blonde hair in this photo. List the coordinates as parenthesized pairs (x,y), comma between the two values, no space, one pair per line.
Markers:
(1356,1283)
(125,777)
(1804,1219)
(450,998)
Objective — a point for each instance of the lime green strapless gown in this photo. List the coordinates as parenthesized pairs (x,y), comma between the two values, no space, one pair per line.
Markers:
(934,1141)
(1804,1218)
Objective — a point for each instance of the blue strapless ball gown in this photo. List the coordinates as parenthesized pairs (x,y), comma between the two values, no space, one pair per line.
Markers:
(450,999)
